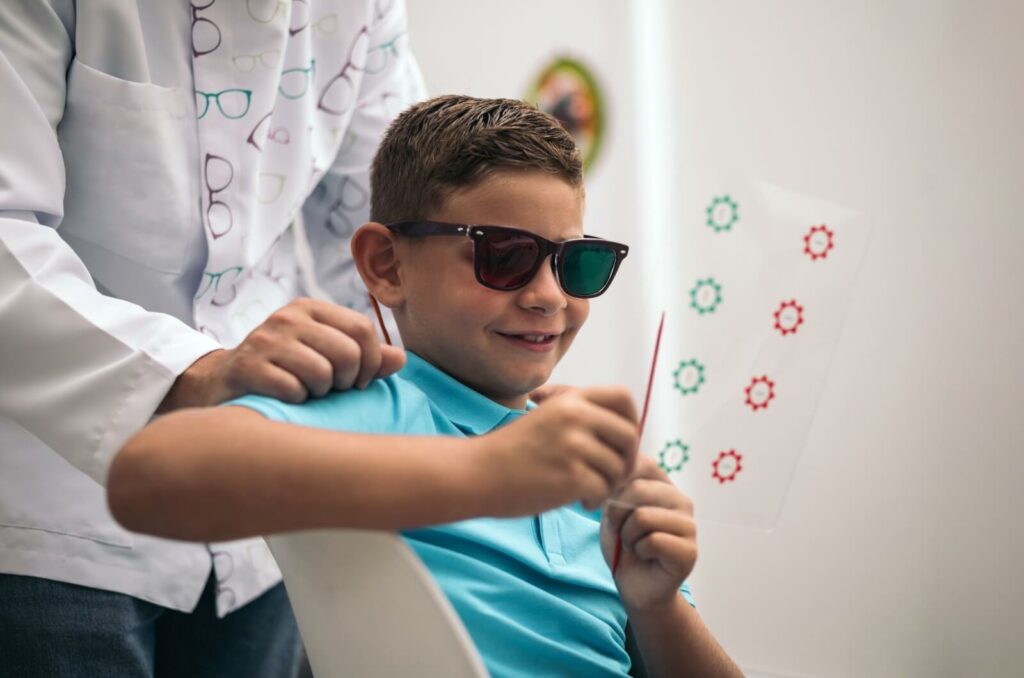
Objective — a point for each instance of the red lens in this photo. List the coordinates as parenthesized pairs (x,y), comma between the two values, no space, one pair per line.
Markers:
(507,260)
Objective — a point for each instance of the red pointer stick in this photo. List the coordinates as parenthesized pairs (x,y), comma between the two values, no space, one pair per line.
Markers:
(643,420)
(380,318)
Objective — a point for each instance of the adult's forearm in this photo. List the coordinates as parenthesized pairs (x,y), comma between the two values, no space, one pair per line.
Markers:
(675,642)
(79,370)
(227,473)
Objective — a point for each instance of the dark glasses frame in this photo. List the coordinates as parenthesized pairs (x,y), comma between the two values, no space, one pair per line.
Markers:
(557,250)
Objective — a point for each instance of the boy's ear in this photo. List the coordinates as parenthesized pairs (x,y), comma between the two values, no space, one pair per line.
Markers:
(376,259)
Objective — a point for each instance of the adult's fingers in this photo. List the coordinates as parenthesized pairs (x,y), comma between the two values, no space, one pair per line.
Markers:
(270,380)
(307,365)
(341,352)
(392,359)
(357,327)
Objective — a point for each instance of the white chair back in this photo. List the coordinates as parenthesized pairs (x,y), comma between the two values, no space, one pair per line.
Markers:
(367,607)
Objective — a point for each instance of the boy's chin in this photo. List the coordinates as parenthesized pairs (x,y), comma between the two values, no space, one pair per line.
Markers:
(518,389)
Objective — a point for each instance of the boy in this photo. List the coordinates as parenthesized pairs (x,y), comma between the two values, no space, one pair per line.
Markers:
(446,449)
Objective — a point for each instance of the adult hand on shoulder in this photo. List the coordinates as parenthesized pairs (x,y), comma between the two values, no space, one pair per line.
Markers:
(578,445)
(303,349)
(659,537)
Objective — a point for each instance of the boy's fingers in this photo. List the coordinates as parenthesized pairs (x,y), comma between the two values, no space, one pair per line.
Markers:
(647,467)
(639,493)
(620,436)
(650,519)
(675,554)
(647,492)
(615,398)
(607,462)
(594,489)
(616,514)
(547,391)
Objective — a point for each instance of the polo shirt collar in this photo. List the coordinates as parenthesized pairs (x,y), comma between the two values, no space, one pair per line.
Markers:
(472,412)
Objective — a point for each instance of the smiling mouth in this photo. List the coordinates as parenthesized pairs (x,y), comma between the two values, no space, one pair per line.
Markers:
(535,341)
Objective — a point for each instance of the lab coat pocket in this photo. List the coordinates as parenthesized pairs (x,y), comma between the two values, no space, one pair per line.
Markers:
(132,170)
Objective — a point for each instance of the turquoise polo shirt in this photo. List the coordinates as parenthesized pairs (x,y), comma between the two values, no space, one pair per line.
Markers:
(534,592)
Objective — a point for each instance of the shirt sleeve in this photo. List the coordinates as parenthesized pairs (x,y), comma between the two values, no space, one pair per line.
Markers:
(79,370)
(391,82)
(384,406)
(685,590)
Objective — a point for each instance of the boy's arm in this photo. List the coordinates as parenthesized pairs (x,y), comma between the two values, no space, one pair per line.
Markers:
(225,473)
(675,642)
(217,474)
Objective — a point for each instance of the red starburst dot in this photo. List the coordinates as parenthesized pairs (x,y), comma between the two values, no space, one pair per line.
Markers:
(789,316)
(760,392)
(727,466)
(818,242)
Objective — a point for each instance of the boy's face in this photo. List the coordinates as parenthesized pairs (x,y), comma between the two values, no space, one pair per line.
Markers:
(476,334)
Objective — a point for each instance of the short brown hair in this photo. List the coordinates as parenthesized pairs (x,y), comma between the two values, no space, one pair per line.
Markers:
(450,142)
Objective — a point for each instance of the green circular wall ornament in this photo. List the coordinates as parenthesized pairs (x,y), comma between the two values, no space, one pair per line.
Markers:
(705,296)
(672,457)
(722,214)
(567,90)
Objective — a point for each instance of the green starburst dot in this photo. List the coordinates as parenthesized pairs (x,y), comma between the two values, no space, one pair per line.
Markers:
(722,214)
(705,296)
(672,457)
(689,377)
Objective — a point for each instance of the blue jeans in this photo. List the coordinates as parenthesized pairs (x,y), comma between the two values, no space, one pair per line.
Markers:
(55,630)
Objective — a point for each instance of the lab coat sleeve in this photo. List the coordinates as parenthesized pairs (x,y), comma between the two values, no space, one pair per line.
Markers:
(80,370)
(341,203)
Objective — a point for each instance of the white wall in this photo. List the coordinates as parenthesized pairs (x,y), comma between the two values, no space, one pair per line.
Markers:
(900,547)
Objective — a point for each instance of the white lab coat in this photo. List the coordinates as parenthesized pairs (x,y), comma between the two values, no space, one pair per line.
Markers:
(102,250)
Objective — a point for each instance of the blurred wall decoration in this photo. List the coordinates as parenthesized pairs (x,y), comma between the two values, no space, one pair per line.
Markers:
(567,90)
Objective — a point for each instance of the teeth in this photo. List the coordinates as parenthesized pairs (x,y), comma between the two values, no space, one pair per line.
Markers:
(533,338)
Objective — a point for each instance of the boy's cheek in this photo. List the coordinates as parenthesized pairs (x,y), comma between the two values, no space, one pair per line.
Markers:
(567,340)
(579,311)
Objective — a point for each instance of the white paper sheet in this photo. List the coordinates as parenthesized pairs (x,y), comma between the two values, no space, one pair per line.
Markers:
(761,278)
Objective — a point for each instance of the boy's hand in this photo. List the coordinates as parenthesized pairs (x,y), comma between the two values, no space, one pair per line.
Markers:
(303,349)
(659,538)
(542,393)
(579,445)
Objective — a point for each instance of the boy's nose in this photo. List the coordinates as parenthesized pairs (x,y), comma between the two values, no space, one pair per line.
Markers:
(543,294)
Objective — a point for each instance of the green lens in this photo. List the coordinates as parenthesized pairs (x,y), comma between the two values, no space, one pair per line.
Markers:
(587,268)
